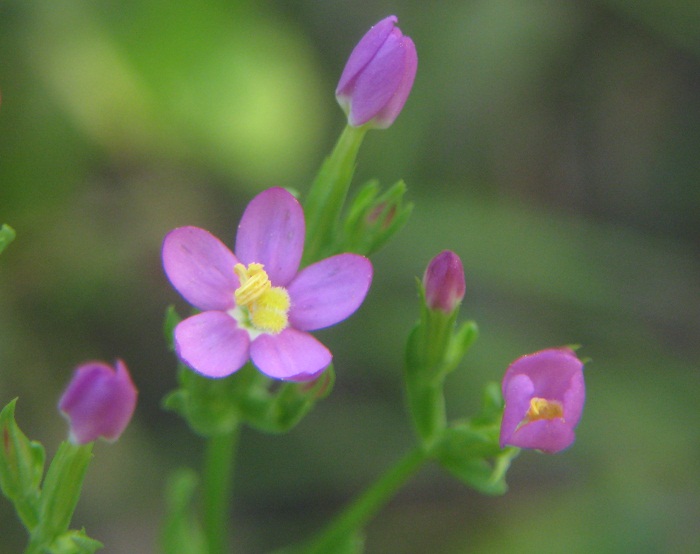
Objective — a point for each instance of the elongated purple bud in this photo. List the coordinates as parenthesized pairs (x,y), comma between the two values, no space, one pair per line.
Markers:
(378,76)
(98,402)
(444,282)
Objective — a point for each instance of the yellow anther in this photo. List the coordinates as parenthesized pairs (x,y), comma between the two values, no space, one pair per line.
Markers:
(541,408)
(254,283)
(265,306)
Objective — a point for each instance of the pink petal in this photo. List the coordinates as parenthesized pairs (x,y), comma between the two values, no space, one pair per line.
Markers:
(212,344)
(271,233)
(517,392)
(292,355)
(329,291)
(200,267)
(365,50)
(393,108)
(375,86)
(548,435)
(99,402)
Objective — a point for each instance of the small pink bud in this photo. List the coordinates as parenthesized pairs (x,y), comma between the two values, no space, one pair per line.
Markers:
(444,282)
(98,402)
(378,76)
(544,395)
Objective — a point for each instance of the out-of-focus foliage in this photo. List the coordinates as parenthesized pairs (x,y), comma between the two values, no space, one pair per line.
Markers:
(552,145)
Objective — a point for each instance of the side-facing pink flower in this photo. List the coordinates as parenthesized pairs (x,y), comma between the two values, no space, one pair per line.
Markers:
(444,282)
(256,304)
(378,76)
(98,402)
(544,395)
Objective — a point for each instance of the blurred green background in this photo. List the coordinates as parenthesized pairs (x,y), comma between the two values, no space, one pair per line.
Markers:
(554,145)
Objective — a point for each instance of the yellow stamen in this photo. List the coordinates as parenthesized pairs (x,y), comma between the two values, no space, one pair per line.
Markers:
(541,408)
(254,283)
(267,306)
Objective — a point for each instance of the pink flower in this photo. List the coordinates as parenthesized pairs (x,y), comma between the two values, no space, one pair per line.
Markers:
(544,395)
(444,282)
(256,304)
(378,76)
(98,402)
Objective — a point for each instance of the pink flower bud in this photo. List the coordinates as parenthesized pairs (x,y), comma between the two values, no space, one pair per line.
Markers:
(378,76)
(98,402)
(444,282)
(544,395)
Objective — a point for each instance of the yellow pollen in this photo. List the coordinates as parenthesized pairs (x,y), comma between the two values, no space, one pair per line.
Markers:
(266,306)
(541,408)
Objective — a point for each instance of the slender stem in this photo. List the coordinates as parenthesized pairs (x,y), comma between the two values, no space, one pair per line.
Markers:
(218,471)
(357,514)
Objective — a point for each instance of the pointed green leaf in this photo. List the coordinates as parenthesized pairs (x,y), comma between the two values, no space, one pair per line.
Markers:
(7,235)
(21,467)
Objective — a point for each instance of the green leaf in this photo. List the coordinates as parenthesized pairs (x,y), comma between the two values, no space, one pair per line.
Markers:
(7,235)
(474,457)
(61,490)
(21,468)
(470,450)
(74,542)
(182,533)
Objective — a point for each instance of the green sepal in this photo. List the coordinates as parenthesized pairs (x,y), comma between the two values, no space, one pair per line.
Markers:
(283,408)
(470,451)
(428,344)
(216,406)
(210,406)
(61,491)
(21,468)
(172,318)
(324,201)
(74,542)
(7,235)
(459,343)
(182,532)
(372,220)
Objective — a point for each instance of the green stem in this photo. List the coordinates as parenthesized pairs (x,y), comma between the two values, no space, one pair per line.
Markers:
(324,202)
(218,471)
(357,515)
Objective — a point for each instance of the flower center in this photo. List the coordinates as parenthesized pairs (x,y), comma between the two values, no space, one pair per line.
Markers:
(541,408)
(265,306)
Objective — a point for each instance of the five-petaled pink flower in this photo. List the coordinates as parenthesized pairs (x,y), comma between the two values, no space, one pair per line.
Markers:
(544,395)
(378,76)
(256,304)
(98,402)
